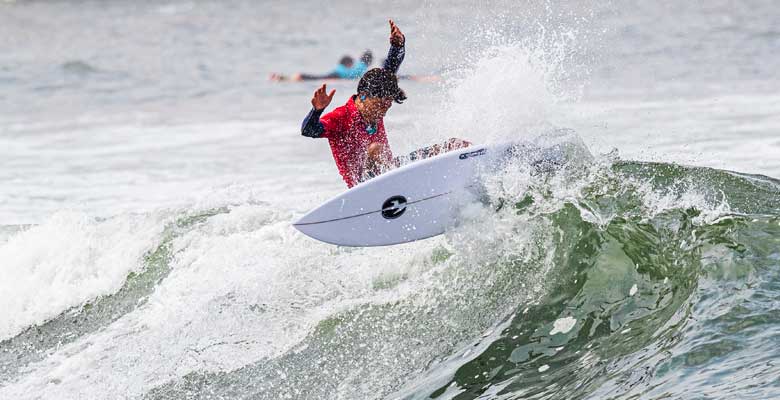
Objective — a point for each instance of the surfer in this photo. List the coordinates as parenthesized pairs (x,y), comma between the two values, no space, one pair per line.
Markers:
(346,69)
(355,131)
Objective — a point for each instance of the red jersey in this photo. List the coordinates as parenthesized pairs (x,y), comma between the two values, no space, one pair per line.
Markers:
(349,141)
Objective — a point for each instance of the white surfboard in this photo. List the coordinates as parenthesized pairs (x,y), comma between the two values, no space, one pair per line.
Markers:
(416,201)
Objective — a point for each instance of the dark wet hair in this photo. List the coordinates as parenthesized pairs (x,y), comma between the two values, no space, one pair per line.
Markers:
(379,82)
(367,57)
(347,61)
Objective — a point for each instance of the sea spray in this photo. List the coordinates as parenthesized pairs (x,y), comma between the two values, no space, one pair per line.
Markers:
(509,83)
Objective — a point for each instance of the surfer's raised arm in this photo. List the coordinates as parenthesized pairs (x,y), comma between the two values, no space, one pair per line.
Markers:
(395,56)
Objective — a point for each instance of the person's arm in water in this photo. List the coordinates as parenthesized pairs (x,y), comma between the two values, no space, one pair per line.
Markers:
(309,77)
(395,56)
(312,127)
(297,77)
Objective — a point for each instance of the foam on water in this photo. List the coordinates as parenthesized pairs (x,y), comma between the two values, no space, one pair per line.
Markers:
(68,261)
(235,294)
(603,257)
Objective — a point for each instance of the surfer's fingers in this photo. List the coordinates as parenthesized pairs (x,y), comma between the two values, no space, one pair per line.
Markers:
(396,36)
(320,92)
(332,92)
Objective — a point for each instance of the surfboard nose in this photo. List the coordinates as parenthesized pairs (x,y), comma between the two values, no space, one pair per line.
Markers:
(309,218)
(312,230)
(338,208)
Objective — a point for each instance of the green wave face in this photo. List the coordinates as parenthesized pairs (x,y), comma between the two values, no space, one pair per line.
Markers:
(635,255)
(625,280)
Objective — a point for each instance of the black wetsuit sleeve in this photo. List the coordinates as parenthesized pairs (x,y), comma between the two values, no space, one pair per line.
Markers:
(312,127)
(394,58)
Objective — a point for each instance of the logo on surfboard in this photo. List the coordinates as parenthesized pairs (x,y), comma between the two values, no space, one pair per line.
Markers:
(472,154)
(394,207)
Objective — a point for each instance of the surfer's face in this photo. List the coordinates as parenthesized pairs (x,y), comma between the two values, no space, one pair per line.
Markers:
(374,108)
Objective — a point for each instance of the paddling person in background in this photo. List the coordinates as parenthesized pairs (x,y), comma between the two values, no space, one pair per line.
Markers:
(346,69)
(355,131)
(362,65)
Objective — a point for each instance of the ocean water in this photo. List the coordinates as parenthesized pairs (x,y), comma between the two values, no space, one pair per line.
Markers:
(150,173)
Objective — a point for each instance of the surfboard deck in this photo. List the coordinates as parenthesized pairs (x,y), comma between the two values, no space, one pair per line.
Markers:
(416,201)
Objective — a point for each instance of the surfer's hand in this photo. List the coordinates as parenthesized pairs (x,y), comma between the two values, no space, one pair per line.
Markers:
(396,36)
(321,100)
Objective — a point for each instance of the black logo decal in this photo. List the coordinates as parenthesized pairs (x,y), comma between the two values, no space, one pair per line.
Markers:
(472,154)
(394,207)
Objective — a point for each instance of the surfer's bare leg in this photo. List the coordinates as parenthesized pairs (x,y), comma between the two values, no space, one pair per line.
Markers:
(438,148)
(455,143)
(433,150)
